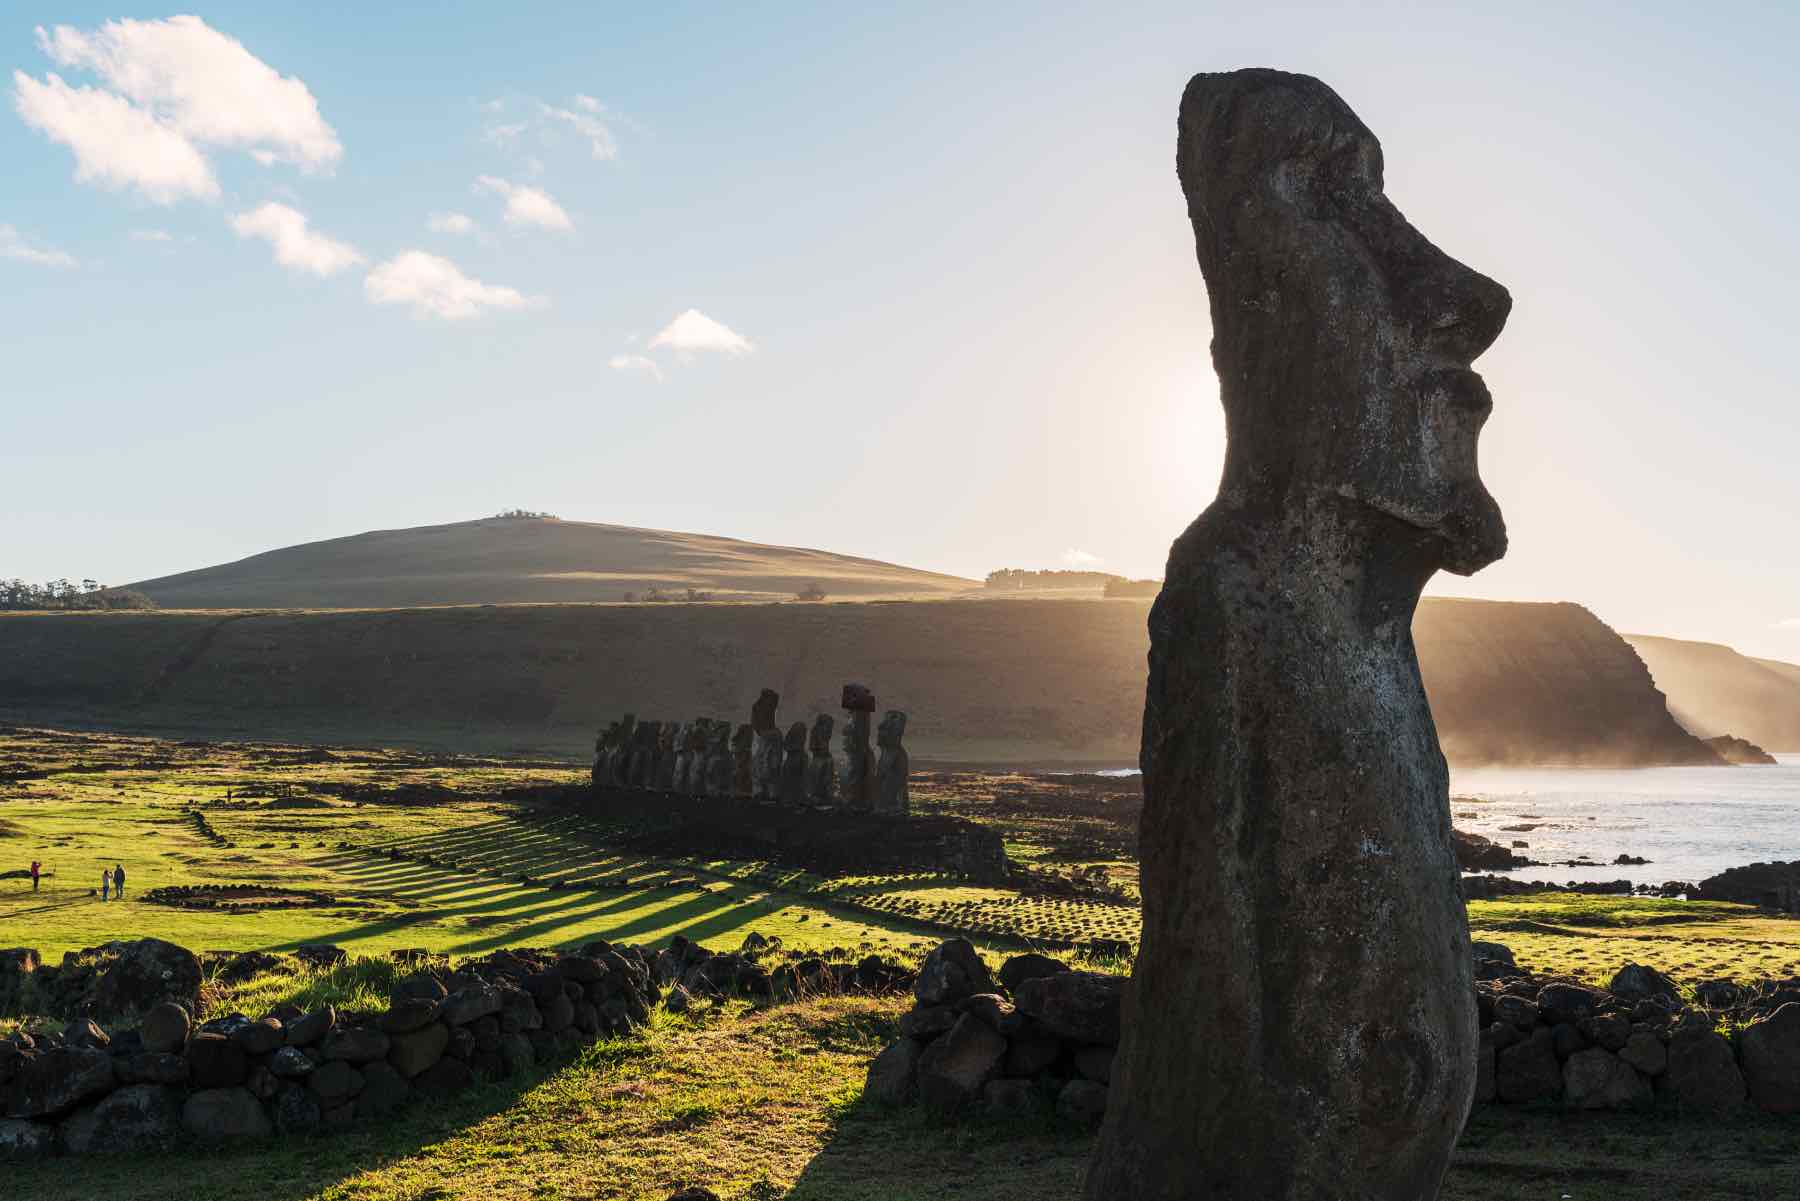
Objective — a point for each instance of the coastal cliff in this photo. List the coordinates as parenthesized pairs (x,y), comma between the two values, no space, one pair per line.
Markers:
(985,681)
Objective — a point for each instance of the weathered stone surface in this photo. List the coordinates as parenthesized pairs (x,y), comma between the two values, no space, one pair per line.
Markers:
(260,1038)
(384,1090)
(1029,1056)
(925,1022)
(1305,951)
(1598,1079)
(151,1067)
(355,1044)
(1517,1012)
(893,766)
(217,1115)
(85,1032)
(1095,1063)
(792,789)
(1486,1053)
(1634,982)
(311,1028)
(1702,1073)
(416,1050)
(1081,1101)
(858,785)
(1645,1052)
(1083,1007)
(471,1003)
(1771,1059)
(138,1117)
(290,1063)
(821,768)
(296,1110)
(443,1077)
(333,1081)
(1528,1071)
(516,1054)
(953,1069)
(893,1074)
(1560,1003)
(1029,966)
(142,974)
(409,1013)
(1012,1098)
(53,1082)
(952,971)
(165,1027)
(23,1142)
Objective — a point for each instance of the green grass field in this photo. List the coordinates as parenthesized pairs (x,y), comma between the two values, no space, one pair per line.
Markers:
(759,1104)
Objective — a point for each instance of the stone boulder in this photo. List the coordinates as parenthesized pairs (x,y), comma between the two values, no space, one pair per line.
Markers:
(1634,982)
(50,1083)
(295,1110)
(23,1142)
(142,974)
(952,972)
(355,1044)
(1598,1079)
(955,1067)
(1560,1003)
(1029,966)
(215,1061)
(1771,1058)
(893,1074)
(1645,1052)
(1080,1006)
(260,1038)
(1701,1073)
(138,1117)
(417,1050)
(311,1028)
(165,1027)
(218,1115)
(1082,1102)
(1528,1071)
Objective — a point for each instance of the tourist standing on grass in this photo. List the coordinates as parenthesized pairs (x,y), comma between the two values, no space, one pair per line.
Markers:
(36,867)
(105,883)
(119,881)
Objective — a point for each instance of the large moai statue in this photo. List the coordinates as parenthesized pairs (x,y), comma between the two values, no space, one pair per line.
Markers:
(643,754)
(690,758)
(765,761)
(892,766)
(859,763)
(821,768)
(721,760)
(667,740)
(604,742)
(618,754)
(793,766)
(1300,1022)
(743,747)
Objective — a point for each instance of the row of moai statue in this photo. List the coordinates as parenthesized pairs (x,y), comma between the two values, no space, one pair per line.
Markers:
(708,756)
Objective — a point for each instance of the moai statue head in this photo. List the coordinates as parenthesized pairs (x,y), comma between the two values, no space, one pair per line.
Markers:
(762,713)
(795,742)
(891,730)
(858,699)
(819,742)
(1350,375)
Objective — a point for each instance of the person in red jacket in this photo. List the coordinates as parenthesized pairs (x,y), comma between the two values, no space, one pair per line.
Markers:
(35,868)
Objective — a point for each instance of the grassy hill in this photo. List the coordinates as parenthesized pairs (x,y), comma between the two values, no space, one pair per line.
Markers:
(1714,690)
(508,560)
(985,681)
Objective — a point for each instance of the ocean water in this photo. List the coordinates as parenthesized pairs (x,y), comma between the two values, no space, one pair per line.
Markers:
(1690,822)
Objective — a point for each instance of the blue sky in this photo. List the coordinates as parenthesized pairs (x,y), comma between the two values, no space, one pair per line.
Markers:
(944,303)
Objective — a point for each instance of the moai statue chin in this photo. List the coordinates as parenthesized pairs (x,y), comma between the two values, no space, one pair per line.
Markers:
(765,755)
(892,766)
(859,763)
(1299,1023)
(821,768)
(793,766)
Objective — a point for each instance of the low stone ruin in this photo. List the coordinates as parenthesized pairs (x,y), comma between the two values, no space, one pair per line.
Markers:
(1040,1038)
(709,757)
(292,1073)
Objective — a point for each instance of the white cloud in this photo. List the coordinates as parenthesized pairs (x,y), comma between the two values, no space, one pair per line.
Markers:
(585,117)
(116,144)
(694,330)
(636,362)
(171,88)
(296,244)
(526,205)
(14,245)
(587,102)
(599,138)
(450,223)
(436,287)
(1080,558)
(205,85)
(151,235)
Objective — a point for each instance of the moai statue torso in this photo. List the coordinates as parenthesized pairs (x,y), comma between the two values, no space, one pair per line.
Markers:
(643,755)
(1300,1024)
(690,758)
(821,768)
(663,778)
(604,743)
(743,746)
(859,763)
(793,766)
(765,762)
(892,766)
(618,759)
(721,761)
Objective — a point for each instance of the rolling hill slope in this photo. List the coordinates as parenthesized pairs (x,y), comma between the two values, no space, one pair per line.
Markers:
(509,560)
(1714,690)
(994,681)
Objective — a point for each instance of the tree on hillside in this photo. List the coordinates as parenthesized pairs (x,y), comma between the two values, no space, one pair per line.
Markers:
(16,594)
(812,592)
